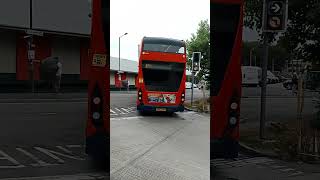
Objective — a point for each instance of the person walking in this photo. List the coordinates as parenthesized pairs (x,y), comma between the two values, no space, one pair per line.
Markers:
(58,77)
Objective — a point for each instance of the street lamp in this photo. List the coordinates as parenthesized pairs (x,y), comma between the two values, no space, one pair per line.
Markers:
(119,73)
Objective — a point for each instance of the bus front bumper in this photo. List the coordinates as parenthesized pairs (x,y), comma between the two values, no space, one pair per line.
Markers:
(179,108)
(224,148)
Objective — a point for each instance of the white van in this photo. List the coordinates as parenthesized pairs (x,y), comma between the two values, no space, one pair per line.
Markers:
(251,75)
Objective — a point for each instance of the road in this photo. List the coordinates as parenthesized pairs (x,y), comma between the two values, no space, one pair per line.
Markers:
(45,139)
(281,105)
(156,147)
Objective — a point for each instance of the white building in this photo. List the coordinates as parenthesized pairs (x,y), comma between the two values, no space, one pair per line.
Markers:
(66,30)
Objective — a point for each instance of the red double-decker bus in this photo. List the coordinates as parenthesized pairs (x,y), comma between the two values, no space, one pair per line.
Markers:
(161,75)
(226,39)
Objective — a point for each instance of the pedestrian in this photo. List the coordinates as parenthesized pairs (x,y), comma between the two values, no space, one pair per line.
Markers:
(128,85)
(58,77)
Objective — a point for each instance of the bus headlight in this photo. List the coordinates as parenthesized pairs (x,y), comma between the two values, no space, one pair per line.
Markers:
(96,115)
(139,98)
(96,100)
(233,121)
(234,106)
(182,99)
(140,93)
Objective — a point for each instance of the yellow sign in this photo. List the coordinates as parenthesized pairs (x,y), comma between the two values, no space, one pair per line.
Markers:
(99,60)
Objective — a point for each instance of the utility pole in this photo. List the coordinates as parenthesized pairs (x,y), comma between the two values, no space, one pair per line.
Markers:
(192,87)
(119,72)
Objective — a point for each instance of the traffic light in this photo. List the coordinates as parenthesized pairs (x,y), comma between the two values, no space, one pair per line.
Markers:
(275,15)
(196,58)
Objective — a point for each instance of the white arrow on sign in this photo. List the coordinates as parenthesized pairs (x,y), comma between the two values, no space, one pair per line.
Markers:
(275,7)
(275,22)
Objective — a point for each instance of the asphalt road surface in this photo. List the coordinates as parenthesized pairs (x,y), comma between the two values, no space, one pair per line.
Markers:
(47,140)
(157,147)
(43,140)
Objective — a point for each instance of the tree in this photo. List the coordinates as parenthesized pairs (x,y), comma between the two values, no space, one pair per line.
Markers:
(199,42)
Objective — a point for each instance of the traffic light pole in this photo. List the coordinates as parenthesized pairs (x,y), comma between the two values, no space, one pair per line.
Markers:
(192,87)
(264,86)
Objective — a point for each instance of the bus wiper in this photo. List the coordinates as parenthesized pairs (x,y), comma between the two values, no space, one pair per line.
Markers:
(167,48)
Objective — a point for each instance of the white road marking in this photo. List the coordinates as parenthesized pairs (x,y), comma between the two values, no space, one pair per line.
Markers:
(39,161)
(277,167)
(296,174)
(92,176)
(112,112)
(53,154)
(64,149)
(125,118)
(125,110)
(5,156)
(287,170)
(119,111)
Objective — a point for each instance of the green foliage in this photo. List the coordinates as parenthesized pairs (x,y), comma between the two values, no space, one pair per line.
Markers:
(199,42)
(302,37)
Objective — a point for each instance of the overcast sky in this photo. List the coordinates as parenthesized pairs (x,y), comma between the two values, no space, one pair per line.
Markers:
(166,18)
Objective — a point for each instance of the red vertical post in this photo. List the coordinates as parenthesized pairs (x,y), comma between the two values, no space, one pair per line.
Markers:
(225,93)
(98,123)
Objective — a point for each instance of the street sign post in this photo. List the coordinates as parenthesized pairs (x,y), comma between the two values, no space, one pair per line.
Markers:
(275,15)
(196,58)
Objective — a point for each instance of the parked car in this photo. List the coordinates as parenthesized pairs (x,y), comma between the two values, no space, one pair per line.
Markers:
(288,84)
(251,75)
(271,78)
(189,85)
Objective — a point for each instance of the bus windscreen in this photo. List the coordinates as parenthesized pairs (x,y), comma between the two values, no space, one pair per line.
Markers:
(162,76)
(166,48)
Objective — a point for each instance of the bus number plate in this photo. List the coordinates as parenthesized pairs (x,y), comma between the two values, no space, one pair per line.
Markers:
(99,60)
(161,109)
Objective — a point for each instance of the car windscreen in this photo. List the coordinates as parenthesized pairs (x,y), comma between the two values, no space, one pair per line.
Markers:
(162,76)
